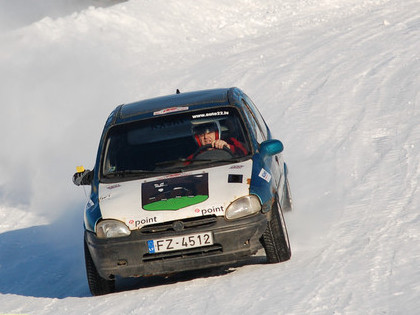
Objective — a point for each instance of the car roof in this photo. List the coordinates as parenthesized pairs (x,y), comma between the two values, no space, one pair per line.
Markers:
(174,102)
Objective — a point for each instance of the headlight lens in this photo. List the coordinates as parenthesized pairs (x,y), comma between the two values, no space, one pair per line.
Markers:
(111,229)
(242,207)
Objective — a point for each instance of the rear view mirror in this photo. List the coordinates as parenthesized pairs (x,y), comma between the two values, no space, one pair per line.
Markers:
(82,176)
(271,147)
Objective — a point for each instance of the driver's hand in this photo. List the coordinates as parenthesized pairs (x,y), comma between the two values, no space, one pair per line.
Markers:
(219,144)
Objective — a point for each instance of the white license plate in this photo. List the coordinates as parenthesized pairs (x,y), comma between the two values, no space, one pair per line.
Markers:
(180,242)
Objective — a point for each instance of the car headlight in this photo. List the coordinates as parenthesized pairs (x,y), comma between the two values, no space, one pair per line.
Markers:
(111,229)
(242,207)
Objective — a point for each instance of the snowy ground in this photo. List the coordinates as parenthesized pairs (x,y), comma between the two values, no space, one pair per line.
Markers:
(337,80)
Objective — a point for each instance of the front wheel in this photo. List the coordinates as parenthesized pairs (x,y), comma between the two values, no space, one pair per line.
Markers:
(97,284)
(275,239)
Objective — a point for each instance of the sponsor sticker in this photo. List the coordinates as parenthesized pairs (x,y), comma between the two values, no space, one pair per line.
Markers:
(265,175)
(211,114)
(175,193)
(235,178)
(113,186)
(142,221)
(102,198)
(212,210)
(170,110)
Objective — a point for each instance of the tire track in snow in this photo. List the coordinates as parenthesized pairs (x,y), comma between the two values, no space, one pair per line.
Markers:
(361,150)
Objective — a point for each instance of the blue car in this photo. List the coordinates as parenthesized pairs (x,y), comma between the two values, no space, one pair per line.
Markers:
(182,182)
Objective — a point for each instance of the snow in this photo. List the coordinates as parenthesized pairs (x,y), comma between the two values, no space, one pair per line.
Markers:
(338,83)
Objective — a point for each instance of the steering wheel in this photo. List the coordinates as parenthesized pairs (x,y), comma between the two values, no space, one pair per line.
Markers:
(203,153)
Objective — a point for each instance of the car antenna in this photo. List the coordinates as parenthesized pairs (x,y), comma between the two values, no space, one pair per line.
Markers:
(177,91)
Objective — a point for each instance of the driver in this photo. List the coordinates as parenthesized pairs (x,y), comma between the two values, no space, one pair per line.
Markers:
(209,134)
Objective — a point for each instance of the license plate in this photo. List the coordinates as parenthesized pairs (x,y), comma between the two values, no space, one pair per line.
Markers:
(180,242)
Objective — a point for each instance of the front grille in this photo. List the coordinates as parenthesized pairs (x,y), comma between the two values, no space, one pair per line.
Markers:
(189,223)
(192,252)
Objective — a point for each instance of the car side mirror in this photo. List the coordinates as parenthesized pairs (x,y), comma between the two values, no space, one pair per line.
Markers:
(271,147)
(82,176)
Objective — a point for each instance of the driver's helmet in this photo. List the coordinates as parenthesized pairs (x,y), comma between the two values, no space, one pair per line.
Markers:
(201,128)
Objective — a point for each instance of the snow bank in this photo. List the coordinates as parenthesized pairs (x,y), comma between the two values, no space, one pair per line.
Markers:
(337,82)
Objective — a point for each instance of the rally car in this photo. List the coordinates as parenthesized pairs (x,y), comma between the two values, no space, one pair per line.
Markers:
(181,182)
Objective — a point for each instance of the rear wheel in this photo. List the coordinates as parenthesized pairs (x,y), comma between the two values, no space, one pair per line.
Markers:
(275,239)
(97,284)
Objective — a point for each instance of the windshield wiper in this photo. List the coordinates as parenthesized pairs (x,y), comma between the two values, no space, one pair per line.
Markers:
(135,172)
(232,160)
(165,163)
(188,161)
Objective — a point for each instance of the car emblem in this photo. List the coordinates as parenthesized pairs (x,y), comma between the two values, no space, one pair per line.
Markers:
(178,226)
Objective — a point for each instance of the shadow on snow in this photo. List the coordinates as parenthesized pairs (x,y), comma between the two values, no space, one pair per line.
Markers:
(47,261)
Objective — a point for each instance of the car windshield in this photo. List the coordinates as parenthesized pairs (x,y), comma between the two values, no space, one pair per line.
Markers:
(171,143)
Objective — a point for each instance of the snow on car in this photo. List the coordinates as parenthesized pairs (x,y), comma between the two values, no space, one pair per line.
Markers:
(182,182)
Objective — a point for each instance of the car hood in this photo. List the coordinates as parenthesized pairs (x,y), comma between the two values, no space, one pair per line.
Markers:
(176,196)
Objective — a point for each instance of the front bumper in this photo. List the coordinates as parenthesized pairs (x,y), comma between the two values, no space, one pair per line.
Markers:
(129,257)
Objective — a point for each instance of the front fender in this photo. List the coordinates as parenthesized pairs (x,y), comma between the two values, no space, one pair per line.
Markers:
(262,181)
(92,215)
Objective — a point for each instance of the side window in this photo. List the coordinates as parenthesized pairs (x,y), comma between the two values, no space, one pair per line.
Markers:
(257,116)
(261,136)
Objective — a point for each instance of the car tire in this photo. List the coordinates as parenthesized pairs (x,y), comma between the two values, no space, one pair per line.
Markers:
(287,197)
(97,284)
(275,239)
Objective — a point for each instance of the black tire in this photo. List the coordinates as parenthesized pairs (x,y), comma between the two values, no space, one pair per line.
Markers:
(275,239)
(287,199)
(97,284)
